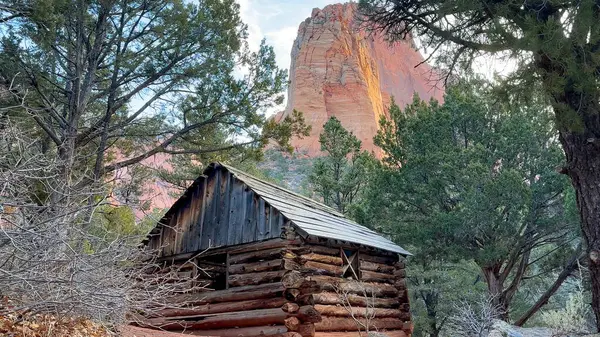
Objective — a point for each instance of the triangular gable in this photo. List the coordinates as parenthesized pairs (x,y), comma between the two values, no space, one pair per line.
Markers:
(227,207)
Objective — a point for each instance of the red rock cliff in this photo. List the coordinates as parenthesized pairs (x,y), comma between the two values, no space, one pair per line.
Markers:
(338,70)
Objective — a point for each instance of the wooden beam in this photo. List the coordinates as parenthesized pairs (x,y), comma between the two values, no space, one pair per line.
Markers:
(241,332)
(243,248)
(322,268)
(290,307)
(377,267)
(240,280)
(227,271)
(266,254)
(306,330)
(388,333)
(354,300)
(349,324)
(221,307)
(329,283)
(268,290)
(259,317)
(341,311)
(256,266)
(372,276)
(292,323)
(332,260)
(308,314)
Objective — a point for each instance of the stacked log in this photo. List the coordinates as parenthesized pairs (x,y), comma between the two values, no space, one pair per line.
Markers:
(254,303)
(286,288)
(378,300)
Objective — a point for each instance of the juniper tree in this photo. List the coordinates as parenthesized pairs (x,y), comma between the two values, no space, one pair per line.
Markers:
(473,179)
(342,173)
(557,46)
(137,78)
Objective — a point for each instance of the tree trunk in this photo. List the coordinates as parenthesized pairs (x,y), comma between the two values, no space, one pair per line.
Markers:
(496,291)
(583,167)
(543,300)
(431,299)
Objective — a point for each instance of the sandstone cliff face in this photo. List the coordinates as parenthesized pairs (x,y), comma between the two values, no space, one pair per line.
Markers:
(338,70)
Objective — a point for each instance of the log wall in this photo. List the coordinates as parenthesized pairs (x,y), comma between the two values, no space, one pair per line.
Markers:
(288,287)
(378,300)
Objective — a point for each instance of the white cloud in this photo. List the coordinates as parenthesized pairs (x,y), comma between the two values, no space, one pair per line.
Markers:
(282,41)
(251,17)
(277,21)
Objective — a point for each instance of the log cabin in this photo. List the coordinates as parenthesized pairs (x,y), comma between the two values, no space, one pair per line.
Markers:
(276,263)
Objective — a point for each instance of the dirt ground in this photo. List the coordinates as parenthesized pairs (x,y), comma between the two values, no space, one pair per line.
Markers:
(134,331)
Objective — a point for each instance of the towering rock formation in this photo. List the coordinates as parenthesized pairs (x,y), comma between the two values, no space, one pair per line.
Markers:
(339,70)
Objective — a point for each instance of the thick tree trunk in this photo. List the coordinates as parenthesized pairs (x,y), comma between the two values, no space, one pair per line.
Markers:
(496,291)
(583,167)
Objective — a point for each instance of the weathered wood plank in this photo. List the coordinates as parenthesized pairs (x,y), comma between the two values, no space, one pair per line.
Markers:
(222,224)
(268,290)
(240,280)
(356,311)
(235,213)
(200,224)
(348,324)
(256,266)
(250,216)
(210,217)
(216,308)
(262,220)
(280,221)
(270,330)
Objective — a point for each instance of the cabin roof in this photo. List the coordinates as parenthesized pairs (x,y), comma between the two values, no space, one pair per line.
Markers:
(309,216)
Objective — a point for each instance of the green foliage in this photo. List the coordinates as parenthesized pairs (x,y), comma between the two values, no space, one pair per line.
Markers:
(108,84)
(435,287)
(574,317)
(116,221)
(473,180)
(554,47)
(340,176)
(554,43)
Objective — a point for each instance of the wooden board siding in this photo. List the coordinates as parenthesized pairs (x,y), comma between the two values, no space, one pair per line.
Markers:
(218,210)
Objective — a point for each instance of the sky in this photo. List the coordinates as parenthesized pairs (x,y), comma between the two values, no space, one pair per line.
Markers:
(277,21)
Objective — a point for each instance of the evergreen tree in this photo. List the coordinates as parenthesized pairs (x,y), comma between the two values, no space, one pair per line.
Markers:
(340,176)
(473,180)
(557,47)
(108,84)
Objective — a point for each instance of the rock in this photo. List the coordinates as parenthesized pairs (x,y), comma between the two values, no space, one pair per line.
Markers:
(503,329)
(340,70)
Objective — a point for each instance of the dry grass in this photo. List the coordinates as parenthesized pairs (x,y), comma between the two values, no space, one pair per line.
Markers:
(45,325)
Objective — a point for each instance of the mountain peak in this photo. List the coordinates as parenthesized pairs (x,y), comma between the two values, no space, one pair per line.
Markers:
(339,69)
